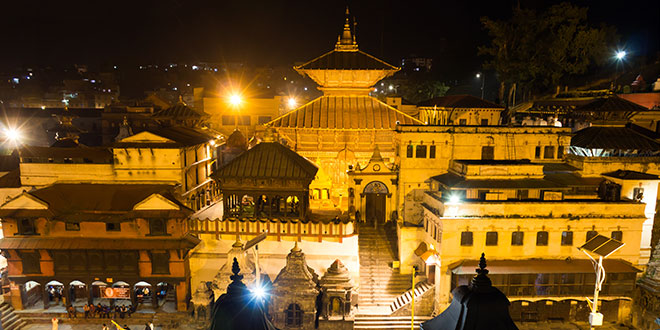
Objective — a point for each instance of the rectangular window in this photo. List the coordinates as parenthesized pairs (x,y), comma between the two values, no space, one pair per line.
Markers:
(157,226)
(466,238)
(409,151)
(264,119)
(431,151)
(591,234)
(638,194)
(542,238)
(487,152)
(420,151)
(517,238)
(72,226)
(111,226)
(160,263)
(30,262)
(567,238)
(491,238)
(228,120)
(560,152)
(523,194)
(484,122)
(244,120)
(26,227)
(617,235)
(537,152)
(462,122)
(548,152)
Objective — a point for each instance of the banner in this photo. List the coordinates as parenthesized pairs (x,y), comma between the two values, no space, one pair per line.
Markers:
(116,293)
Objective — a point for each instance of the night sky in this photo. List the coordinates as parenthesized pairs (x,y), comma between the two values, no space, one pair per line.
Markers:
(277,32)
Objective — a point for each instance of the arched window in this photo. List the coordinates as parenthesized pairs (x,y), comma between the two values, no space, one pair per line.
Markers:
(294,315)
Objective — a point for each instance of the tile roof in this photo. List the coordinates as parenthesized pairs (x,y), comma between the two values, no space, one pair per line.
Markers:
(346,60)
(535,266)
(181,135)
(621,138)
(631,175)
(104,202)
(344,112)
(77,243)
(179,111)
(612,104)
(461,102)
(268,160)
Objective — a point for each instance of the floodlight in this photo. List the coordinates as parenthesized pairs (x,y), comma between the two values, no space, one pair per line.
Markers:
(292,102)
(259,292)
(235,100)
(620,55)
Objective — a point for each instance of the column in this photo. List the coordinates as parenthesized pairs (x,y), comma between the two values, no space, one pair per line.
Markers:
(180,295)
(44,292)
(90,293)
(154,299)
(16,297)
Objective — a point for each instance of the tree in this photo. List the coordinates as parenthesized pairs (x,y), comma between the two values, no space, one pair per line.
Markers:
(417,91)
(538,51)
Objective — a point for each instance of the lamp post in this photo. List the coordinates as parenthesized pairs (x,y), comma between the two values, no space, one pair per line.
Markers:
(481,76)
(602,247)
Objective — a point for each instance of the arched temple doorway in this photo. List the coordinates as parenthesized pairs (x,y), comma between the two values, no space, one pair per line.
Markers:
(375,194)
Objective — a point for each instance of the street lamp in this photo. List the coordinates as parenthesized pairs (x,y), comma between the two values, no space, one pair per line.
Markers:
(620,55)
(481,76)
(292,102)
(602,247)
(235,99)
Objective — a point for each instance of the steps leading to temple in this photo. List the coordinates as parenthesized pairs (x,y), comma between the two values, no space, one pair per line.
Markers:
(11,321)
(380,285)
(387,322)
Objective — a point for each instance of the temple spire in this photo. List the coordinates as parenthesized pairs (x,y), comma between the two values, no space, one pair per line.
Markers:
(346,41)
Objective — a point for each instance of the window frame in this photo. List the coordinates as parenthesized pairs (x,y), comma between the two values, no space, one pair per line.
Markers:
(537,152)
(410,151)
(227,120)
(590,234)
(32,265)
(549,152)
(567,238)
(514,238)
(542,238)
(293,315)
(71,226)
(420,151)
(467,238)
(118,226)
(432,151)
(487,152)
(491,238)
(156,267)
(22,228)
(153,232)
(618,233)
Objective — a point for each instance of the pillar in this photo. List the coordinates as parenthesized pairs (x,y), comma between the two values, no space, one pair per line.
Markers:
(180,292)
(90,294)
(44,292)
(67,294)
(154,298)
(16,296)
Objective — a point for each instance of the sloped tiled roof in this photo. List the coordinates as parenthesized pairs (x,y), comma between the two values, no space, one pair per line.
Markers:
(179,111)
(181,135)
(460,101)
(268,160)
(344,112)
(621,138)
(346,60)
(612,104)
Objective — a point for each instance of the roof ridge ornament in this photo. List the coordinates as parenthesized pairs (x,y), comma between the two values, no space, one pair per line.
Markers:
(346,41)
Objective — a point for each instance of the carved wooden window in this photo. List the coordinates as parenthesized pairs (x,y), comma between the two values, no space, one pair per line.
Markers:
(420,151)
(157,227)
(30,261)
(294,315)
(567,238)
(26,227)
(160,262)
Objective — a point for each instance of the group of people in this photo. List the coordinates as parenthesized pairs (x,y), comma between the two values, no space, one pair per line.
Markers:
(103,311)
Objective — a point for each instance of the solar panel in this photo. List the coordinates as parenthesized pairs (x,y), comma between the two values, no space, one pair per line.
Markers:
(602,245)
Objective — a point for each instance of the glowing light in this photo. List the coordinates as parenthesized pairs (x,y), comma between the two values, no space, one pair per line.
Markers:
(620,55)
(259,292)
(292,103)
(43,107)
(13,135)
(391,87)
(235,100)
(454,199)
(478,75)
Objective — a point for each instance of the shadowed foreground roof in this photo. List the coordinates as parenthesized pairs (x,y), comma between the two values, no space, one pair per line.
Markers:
(344,112)
(621,138)
(268,160)
(460,102)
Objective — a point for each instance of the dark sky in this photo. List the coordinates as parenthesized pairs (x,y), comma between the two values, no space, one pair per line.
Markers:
(275,32)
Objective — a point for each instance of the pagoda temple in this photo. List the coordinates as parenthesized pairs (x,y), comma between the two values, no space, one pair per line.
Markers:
(345,124)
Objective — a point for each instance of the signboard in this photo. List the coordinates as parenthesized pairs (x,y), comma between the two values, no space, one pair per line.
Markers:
(116,293)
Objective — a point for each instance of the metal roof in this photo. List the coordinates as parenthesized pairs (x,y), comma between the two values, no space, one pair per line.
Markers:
(179,111)
(346,60)
(461,102)
(268,160)
(621,138)
(344,112)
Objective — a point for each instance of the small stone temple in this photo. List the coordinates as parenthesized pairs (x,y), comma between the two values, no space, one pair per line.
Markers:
(337,289)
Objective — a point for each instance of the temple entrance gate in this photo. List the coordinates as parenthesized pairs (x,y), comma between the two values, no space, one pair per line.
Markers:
(375,194)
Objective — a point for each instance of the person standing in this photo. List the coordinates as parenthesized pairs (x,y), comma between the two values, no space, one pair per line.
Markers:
(86,310)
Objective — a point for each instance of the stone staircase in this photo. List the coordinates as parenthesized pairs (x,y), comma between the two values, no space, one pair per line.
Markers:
(10,321)
(387,322)
(380,285)
(406,298)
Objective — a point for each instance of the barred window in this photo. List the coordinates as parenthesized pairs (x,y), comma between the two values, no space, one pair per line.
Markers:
(542,238)
(517,238)
(466,238)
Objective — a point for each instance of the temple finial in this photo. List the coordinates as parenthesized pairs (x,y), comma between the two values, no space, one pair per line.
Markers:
(482,265)
(346,40)
(236,270)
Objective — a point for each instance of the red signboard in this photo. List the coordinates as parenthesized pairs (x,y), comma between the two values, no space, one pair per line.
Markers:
(116,293)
